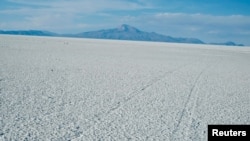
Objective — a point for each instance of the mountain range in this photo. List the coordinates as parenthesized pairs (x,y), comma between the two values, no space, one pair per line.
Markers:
(123,32)
(29,32)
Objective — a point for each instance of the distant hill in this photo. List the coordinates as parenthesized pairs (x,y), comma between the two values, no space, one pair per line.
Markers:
(29,32)
(229,43)
(126,32)
(123,32)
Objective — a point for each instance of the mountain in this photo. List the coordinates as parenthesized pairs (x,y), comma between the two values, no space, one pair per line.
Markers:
(29,32)
(126,32)
(229,43)
(123,32)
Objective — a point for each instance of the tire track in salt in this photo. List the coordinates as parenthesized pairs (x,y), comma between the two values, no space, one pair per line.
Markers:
(97,119)
(184,122)
(136,93)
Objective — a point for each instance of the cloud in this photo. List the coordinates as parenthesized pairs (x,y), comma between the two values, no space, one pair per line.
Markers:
(80,6)
(205,24)
(53,14)
(203,19)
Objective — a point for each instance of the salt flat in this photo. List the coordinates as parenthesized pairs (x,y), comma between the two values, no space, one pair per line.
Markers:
(86,89)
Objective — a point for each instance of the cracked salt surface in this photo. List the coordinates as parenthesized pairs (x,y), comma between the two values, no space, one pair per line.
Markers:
(86,89)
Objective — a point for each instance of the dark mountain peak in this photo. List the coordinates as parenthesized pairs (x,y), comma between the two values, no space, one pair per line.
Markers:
(127,28)
(127,32)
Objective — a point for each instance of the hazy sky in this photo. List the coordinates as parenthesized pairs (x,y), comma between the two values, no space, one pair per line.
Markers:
(208,20)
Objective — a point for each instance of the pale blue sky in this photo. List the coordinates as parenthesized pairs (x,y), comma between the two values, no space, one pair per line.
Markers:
(208,20)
